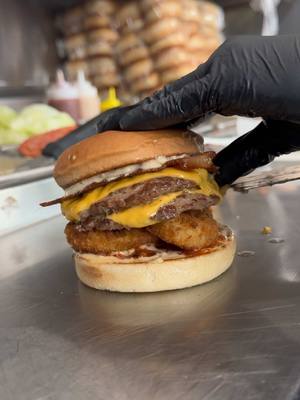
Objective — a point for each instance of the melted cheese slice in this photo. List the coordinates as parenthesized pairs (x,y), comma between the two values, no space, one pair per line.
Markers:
(73,207)
(141,216)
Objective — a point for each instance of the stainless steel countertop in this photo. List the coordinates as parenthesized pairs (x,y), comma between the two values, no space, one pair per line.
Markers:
(235,338)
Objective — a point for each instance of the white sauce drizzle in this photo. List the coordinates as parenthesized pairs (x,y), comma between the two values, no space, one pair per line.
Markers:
(121,172)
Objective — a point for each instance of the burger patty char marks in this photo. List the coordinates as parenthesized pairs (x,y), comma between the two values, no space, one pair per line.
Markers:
(140,193)
(185,202)
(105,242)
(190,230)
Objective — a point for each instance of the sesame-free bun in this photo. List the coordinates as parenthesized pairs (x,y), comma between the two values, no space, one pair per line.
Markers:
(114,149)
(105,273)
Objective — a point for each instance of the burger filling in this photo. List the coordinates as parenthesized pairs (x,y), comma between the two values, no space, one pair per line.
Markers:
(164,187)
(166,209)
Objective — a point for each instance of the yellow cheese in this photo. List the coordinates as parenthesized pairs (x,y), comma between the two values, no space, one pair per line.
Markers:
(73,207)
(140,216)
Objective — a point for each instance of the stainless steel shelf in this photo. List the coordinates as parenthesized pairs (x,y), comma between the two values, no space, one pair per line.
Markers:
(235,338)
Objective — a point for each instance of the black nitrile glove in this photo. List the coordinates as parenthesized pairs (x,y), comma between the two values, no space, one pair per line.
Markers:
(248,75)
(109,120)
(256,148)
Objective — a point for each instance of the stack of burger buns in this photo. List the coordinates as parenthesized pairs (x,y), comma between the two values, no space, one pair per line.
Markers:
(205,21)
(133,54)
(74,41)
(166,38)
(141,45)
(176,37)
(162,40)
(90,46)
(102,37)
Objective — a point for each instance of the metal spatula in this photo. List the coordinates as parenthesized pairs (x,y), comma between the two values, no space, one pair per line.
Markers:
(267,178)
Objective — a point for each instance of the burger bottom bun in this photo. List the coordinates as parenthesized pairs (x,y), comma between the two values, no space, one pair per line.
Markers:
(104,273)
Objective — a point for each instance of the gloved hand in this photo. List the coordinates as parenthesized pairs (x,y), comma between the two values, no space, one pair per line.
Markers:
(249,76)
(109,120)
(256,148)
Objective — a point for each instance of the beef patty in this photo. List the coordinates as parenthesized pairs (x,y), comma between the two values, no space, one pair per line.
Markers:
(185,202)
(131,196)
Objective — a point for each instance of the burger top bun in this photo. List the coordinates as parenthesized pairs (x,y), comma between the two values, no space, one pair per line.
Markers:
(115,149)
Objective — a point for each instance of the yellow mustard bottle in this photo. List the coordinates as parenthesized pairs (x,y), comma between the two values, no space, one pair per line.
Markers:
(111,101)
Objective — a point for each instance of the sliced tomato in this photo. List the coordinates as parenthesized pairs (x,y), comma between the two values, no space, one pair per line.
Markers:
(33,146)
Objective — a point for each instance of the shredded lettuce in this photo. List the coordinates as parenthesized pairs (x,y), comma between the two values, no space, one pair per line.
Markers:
(32,120)
(7,114)
(10,137)
(40,118)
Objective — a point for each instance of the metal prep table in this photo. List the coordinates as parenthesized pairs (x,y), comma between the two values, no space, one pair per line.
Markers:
(236,338)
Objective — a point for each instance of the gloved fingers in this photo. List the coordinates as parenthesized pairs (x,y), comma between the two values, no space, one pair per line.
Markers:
(174,86)
(242,156)
(268,140)
(110,120)
(191,101)
(284,137)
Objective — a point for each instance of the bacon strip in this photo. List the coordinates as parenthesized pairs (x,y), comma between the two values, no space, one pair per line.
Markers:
(203,160)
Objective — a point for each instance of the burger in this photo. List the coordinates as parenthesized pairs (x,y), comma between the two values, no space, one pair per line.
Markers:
(139,211)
